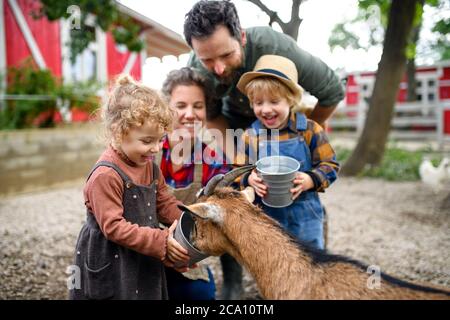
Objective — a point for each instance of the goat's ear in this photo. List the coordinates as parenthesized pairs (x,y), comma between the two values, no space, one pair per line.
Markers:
(249,194)
(182,207)
(192,212)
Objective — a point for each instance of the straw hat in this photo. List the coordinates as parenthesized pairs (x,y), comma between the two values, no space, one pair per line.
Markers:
(274,66)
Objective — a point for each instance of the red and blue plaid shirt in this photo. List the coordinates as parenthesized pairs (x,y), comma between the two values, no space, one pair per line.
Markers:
(185,176)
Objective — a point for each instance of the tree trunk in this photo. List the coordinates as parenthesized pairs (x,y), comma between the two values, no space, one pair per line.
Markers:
(411,94)
(371,144)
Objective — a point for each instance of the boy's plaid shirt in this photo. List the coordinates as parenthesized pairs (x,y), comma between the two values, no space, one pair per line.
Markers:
(324,164)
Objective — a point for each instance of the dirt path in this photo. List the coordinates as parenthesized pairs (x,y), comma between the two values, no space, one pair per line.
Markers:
(400,227)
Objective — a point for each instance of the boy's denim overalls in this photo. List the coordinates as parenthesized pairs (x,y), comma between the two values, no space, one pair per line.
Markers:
(303,218)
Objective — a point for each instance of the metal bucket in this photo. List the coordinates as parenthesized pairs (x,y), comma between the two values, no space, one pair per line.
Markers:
(277,172)
(182,234)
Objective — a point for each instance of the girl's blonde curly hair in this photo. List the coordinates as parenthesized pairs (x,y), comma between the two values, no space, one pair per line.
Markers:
(131,104)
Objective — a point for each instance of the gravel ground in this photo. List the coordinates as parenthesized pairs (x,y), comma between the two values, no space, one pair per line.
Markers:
(403,228)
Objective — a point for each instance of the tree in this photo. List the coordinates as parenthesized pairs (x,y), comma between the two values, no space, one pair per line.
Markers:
(375,12)
(105,15)
(290,28)
(371,145)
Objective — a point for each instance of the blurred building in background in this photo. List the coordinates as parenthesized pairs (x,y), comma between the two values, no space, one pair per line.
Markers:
(45,42)
(427,117)
(41,155)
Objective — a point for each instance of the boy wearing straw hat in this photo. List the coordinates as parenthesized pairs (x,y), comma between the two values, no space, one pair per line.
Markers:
(273,92)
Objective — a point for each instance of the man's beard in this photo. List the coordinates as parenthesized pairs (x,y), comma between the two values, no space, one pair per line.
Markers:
(230,78)
(234,74)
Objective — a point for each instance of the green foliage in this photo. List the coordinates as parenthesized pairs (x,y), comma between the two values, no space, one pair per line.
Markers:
(81,95)
(128,36)
(418,16)
(376,12)
(342,154)
(106,16)
(341,37)
(442,43)
(411,50)
(397,165)
(29,80)
(442,26)
(79,40)
(384,5)
(26,80)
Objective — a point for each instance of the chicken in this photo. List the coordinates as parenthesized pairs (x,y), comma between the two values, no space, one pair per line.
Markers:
(435,177)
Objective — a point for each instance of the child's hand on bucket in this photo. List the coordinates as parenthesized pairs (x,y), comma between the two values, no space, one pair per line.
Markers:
(302,182)
(257,183)
(175,252)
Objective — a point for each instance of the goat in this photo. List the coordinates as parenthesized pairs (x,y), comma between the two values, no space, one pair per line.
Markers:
(225,220)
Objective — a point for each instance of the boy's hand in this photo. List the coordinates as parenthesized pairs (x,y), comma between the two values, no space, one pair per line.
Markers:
(257,184)
(175,252)
(302,182)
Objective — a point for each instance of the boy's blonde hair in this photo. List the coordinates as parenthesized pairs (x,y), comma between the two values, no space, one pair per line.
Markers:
(131,104)
(272,87)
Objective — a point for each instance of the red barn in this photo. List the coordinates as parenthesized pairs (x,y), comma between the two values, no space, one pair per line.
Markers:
(22,36)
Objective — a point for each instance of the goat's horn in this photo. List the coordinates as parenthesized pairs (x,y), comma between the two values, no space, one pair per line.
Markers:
(211,185)
(233,174)
(221,180)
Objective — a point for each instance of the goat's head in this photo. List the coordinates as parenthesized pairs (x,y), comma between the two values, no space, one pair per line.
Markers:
(217,206)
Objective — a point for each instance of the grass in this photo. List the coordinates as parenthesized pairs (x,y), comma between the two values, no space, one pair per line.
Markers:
(397,165)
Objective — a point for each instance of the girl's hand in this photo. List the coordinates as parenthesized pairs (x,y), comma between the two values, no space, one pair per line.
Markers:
(175,252)
(170,264)
(302,182)
(257,184)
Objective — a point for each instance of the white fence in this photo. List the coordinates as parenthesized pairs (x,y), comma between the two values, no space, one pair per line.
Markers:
(412,120)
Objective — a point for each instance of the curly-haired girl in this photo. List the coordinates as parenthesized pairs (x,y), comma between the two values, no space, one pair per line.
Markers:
(120,251)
